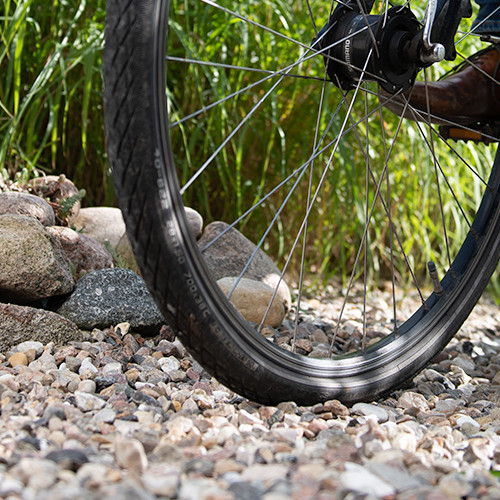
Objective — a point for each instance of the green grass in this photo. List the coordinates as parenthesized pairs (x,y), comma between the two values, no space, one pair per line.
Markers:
(51,117)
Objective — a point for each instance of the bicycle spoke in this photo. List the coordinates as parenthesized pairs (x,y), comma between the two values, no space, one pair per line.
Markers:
(309,192)
(240,68)
(351,280)
(235,131)
(471,32)
(420,118)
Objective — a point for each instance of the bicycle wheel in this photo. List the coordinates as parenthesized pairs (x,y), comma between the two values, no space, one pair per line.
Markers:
(232,109)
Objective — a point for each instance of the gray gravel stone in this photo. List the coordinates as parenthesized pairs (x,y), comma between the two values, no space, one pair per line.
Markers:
(109,297)
(367,409)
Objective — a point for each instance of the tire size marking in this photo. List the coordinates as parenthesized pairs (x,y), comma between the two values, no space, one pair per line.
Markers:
(175,239)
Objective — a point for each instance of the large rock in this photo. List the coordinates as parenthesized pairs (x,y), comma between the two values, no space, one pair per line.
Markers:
(22,324)
(109,297)
(252,298)
(34,265)
(26,204)
(85,253)
(105,224)
(229,254)
(59,190)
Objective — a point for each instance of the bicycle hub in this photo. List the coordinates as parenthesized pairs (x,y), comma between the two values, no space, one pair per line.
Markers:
(383,48)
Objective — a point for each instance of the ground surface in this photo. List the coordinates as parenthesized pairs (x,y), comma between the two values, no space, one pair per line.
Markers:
(78,422)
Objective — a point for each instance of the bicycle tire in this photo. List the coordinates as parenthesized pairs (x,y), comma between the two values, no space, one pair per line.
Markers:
(167,254)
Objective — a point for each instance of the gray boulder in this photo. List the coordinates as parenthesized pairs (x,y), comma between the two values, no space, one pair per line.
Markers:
(228,255)
(34,265)
(109,297)
(26,204)
(22,324)
(105,224)
(85,253)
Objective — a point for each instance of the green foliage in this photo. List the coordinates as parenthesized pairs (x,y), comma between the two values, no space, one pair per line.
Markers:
(279,138)
(68,203)
(51,91)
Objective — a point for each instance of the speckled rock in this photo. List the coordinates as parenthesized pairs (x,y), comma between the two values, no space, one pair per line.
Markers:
(19,324)
(109,297)
(34,265)
(17,203)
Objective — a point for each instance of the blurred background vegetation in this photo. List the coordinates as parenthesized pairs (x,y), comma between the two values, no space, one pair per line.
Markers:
(51,121)
(51,114)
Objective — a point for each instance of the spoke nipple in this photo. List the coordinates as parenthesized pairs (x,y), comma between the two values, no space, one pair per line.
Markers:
(438,289)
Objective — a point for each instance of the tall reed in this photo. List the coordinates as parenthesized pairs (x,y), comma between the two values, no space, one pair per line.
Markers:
(51,92)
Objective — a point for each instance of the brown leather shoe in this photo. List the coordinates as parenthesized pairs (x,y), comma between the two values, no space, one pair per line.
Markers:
(470,94)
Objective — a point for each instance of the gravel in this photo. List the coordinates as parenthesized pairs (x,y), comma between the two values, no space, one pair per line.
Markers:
(120,416)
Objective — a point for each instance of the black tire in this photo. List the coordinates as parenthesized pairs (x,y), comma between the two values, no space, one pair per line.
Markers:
(221,341)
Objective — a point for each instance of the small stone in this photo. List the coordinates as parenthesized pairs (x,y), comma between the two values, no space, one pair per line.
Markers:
(130,455)
(227,465)
(359,479)
(337,408)
(87,366)
(39,474)
(413,402)
(464,421)
(162,481)
(30,345)
(88,402)
(371,410)
(106,415)
(88,386)
(111,369)
(252,298)
(68,459)
(266,474)
(10,487)
(169,364)
(19,358)
(465,363)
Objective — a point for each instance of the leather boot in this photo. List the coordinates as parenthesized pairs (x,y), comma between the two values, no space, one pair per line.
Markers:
(470,94)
